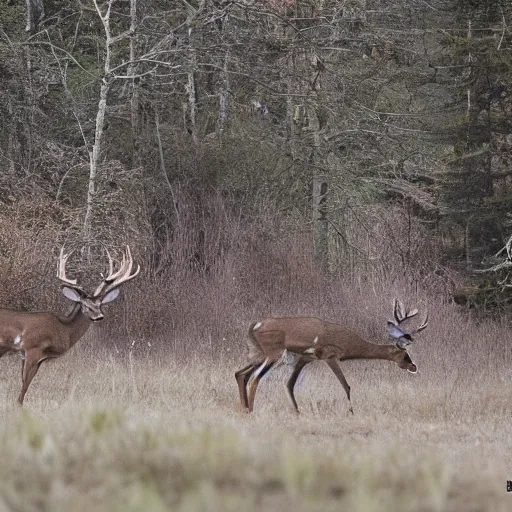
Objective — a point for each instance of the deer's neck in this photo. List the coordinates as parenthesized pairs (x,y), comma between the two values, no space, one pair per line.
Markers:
(368,350)
(76,323)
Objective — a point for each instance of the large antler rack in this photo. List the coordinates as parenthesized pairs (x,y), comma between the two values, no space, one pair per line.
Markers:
(113,279)
(401,315)
(61,271)
(122,275)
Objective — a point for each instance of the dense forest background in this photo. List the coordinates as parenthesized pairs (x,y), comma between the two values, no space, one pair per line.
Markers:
(255,154)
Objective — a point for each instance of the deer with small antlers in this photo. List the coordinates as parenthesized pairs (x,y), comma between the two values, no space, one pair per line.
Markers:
(41,336)
(301,340)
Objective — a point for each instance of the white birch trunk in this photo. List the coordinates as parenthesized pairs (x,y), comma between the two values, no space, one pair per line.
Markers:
(190,87)
(224,95)
(35,14)
(95,153)
(132,71)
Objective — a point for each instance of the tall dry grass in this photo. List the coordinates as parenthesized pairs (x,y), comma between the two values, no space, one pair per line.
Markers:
(108,431)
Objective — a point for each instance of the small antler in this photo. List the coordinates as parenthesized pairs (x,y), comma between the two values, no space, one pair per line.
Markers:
(422,325)
(61,272)
(401,314)
(115,279)
(404,338)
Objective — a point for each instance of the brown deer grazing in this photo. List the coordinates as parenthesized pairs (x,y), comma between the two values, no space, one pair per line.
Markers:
(40,336)
(301,340)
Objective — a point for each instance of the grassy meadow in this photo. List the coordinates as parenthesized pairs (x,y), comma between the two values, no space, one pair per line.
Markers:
(143,414)
(155,428)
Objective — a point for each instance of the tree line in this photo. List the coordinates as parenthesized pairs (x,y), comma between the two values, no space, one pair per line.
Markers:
(382,128)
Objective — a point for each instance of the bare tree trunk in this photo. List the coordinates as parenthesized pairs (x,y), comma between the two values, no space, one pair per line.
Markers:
(192,103)
(31,109)
(35,15)
(224,95)
(294,111)
(320,224)
(468,107)
(10,140)
(94,158)
(164,169)
(132,71)
(190,109)
(467,247)
(95,153)
(316,125)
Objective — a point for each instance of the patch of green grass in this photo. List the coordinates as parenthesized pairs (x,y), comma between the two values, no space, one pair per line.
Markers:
(110,459)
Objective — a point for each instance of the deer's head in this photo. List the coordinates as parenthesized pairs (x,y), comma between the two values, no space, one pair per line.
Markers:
(402,337)
(107,291)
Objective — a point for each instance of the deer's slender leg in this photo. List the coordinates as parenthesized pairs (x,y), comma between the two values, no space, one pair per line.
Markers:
(31,363)
(293,379)
(257,375)
(242,377)
(333,365)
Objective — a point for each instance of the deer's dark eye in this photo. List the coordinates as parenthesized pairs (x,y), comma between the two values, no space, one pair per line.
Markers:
(408,337)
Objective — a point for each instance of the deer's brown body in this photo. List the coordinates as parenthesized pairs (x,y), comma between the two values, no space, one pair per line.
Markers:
(313,338)
(53,334)
(306,339)
(40,336)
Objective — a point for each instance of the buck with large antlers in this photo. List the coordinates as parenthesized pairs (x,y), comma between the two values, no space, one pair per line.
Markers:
(41,336)
(301,340)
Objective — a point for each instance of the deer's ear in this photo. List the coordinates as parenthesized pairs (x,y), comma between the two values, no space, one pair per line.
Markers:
(394,331)
(71,294)
(111,295)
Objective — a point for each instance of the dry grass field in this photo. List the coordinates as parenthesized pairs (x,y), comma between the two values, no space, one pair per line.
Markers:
(102,430)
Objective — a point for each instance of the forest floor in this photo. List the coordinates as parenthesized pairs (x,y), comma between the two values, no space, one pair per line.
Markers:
(101,432)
